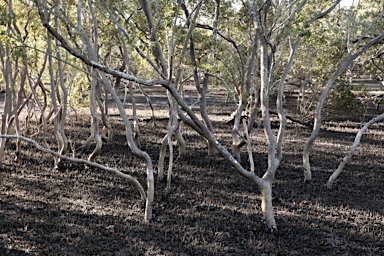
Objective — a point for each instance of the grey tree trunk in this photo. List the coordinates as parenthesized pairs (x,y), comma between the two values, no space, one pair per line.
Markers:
(354,146)
(317,120)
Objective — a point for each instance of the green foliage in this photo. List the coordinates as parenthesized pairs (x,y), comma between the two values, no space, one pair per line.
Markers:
(342,100)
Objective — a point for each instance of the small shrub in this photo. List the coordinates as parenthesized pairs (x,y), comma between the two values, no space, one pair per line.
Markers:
(342,99)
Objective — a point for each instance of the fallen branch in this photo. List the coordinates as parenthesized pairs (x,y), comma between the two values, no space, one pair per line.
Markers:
(81,161)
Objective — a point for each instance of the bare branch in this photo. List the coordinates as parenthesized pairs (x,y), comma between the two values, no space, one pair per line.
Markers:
(130,178)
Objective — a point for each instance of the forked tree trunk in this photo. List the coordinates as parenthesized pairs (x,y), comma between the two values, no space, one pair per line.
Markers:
(244,97)
(95,129)
(173,125)
(317,122)
(201,90)
(202,128)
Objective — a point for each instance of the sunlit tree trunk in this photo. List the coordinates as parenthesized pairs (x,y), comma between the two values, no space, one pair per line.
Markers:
(7,74)
(53,98)
(134,148)
(244,98)
(202,86)
(9,68)
(355,144)
(62,99)
(318,112)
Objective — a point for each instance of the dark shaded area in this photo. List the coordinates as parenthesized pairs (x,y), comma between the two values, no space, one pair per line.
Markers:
(211,210)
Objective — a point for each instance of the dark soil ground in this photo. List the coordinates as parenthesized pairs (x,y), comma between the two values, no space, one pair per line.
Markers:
(212,210)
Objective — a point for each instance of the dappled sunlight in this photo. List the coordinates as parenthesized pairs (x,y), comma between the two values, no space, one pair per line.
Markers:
(156,128)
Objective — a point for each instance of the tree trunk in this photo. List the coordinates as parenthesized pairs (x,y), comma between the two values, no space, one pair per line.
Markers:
(356,143)
(53,97)
(134,148)
(266,204)
(63,100)
(317,122)
(136,130)
(237,140)
(7,74)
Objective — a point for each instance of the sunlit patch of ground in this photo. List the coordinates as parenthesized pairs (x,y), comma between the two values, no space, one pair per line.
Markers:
(77,210)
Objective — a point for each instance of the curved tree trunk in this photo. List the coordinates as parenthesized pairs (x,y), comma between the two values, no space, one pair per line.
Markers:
(355,144)
(7,74)
(201,90)
(237,139)
(54,103)
(134,148)
(317,122)
(130,178)
(279,101)
(173,125)
(95,129)
(63,100)
(136,130)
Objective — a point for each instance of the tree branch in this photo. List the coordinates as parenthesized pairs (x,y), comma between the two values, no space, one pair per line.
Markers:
(130,178)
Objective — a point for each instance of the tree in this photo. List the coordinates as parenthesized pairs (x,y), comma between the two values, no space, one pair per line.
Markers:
(250,51)
(344,63)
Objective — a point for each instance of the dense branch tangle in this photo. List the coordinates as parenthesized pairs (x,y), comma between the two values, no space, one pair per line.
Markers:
(145,35)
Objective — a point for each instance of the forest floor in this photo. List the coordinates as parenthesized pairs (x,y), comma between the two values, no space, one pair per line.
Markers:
(212,210)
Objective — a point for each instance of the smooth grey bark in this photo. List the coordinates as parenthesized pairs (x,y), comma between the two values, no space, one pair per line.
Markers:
(354,146)
(202,86)
(195,122)
(279,101)
(94,64)
(7,74)
(345,62)
(53,95)
(167,71)
(62,99)
(130,178)
(136,128)
(134,148)
(237,140)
